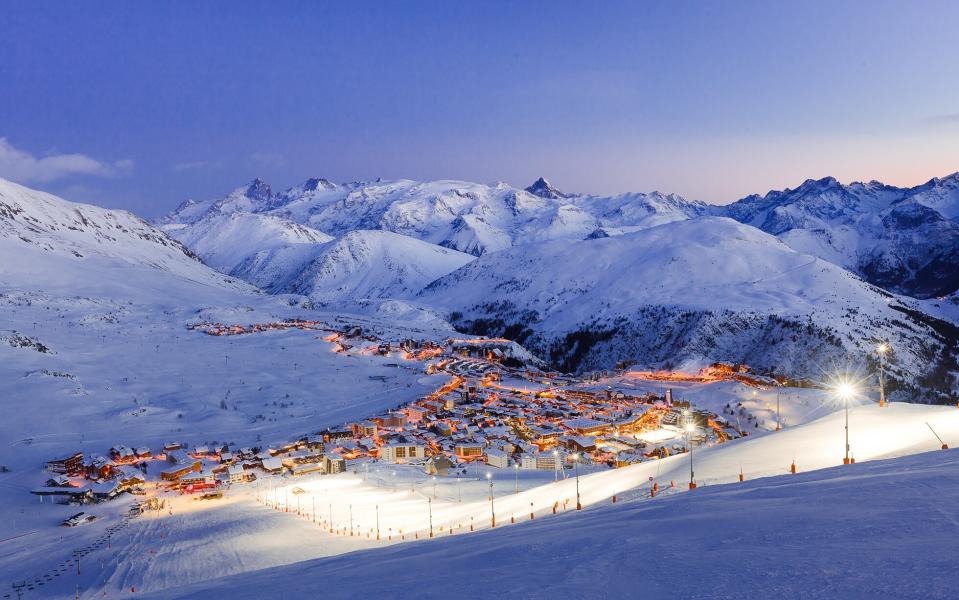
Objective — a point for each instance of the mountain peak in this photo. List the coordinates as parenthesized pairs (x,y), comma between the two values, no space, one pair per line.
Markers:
(258,190)
(544,189)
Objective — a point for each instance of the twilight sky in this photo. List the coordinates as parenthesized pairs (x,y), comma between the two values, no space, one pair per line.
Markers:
(141,106)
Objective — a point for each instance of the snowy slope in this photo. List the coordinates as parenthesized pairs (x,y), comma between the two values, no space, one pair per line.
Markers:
(685,294)
(224,240)
(373,264)
(49,242)
(904,240)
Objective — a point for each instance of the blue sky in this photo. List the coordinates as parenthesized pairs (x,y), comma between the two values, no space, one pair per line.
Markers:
(142,105)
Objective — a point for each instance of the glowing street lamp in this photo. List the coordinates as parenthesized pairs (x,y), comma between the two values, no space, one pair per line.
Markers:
(882,349)
(492,508)
(516,478)
(690,426)
(555,465)
(845,391)
(579,505)
(429,502)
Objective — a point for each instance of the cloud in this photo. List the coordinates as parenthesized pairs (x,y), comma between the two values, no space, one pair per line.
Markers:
(20,165)
(195,165)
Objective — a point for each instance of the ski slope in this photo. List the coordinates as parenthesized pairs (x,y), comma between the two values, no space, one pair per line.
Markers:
(880,529)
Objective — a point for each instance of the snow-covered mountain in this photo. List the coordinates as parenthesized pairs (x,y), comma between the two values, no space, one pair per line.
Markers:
(48,242)
(468,217)
(904,240)
(685,294)
(224,239)
(361,265)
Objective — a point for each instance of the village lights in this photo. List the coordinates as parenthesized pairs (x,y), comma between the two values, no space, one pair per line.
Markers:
(579,505)
(845,390)
(492,508)
(881,350)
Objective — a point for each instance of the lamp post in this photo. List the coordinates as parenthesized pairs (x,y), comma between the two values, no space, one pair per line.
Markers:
(492,508)
(429,502)
(846,391)
(689,426)
(579,505)
(555,465)
(882,349)
(516,478)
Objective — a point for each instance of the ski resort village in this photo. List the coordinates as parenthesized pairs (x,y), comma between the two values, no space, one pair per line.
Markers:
(479,300)
(488,414)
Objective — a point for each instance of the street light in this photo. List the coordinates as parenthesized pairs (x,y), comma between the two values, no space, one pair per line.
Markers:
(516,478)
(689,443)
(579,505)
(882,349)
(555,465)
(492,508)
(845,391)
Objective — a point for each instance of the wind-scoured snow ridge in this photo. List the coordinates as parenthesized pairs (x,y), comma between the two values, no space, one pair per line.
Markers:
(49,243)
(903,240)
(690,293)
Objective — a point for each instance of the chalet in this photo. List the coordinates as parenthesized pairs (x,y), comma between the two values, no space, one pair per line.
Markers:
(237,474)
(580,443)
(106,490)
(443,428)
(98,468)
(200,451)
(497,458)
(143,453)
(122,454)
(272,465)
(179,470)
(170,446)
(128,477)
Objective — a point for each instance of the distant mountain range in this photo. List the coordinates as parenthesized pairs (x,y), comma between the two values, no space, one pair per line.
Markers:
(905,240)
